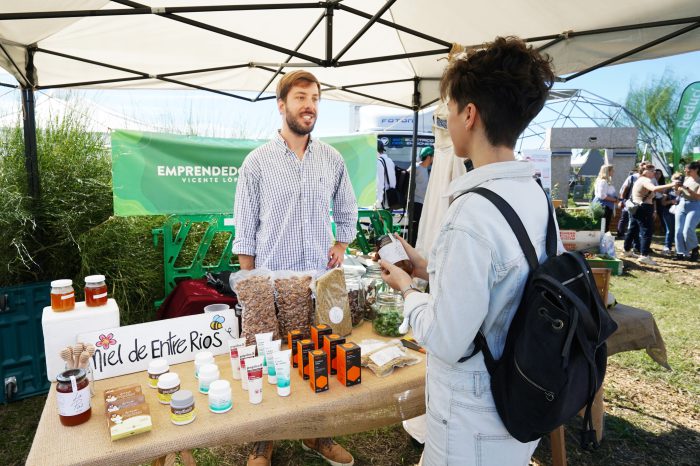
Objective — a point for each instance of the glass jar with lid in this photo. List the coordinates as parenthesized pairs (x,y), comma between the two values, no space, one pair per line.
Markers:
(62,295)
(95,291)
(73,397)
(388,314)
(356,297)
(373,283)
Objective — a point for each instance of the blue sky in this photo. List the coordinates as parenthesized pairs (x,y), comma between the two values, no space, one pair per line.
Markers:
(214,115)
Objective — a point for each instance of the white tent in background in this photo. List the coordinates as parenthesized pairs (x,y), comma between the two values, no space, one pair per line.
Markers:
(365,51)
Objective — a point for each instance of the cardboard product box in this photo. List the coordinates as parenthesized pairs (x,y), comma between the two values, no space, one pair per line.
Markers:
(317,334)
(615,265)
(580,240)
(318,365)
(129,421)
(330,343)
(126,411)
(303,349)
(349,357)
(292,338)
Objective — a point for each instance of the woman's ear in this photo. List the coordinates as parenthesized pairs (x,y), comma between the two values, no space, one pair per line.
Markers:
(470,115)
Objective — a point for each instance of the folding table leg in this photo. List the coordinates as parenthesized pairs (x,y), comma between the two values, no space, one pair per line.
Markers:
(558,440)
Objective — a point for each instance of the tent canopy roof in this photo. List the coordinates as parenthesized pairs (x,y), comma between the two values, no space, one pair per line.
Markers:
(363,51)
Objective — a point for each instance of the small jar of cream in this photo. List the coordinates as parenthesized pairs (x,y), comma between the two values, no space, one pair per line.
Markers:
(182,408)
(156,368)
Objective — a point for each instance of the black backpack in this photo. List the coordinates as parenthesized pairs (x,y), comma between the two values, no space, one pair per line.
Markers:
(555,354)
(402,182)
(393,198)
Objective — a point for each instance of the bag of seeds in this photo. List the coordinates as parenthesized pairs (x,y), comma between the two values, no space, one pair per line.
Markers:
(257,299)
(294,303)
(332,306)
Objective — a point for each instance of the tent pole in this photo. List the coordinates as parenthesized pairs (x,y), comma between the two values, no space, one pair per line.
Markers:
(414,156)
(31,160)
(329,32)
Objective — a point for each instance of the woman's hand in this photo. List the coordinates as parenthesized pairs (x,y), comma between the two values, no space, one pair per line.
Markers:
(394,276)
(420,265)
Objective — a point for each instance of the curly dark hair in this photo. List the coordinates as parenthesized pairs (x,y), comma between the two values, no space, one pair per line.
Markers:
(506,80)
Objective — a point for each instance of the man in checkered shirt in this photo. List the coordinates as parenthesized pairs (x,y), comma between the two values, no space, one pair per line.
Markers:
(281,212)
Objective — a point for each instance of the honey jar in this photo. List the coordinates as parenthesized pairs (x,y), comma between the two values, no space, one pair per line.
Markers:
(73,397)
(95,291)
(62,295)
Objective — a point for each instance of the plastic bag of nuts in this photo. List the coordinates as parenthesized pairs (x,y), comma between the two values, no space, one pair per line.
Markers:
(294,303)
(257,298)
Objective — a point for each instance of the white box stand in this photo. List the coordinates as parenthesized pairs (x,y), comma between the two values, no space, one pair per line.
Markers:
(62,328)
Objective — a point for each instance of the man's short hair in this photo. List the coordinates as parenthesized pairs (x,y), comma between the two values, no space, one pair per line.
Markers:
(289,80)
(380,146)
(506,80)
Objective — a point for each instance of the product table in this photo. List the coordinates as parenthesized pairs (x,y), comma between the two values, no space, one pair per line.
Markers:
(376,402)
(342,410)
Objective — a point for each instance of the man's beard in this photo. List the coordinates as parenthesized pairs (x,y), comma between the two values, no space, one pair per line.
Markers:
(296,127)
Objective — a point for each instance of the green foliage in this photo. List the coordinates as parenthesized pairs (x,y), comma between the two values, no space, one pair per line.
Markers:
(121,248)
(68,232)
(655,103)
(578,219)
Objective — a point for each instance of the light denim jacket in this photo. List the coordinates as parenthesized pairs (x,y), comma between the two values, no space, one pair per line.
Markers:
(477,269)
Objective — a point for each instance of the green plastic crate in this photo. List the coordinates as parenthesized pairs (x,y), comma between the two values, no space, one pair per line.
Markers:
(22,360)
(613,264)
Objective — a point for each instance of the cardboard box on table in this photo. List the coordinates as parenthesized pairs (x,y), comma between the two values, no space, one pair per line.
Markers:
(62,328)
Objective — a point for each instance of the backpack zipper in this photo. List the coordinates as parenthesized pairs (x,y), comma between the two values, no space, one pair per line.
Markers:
(549,395)
(572,279)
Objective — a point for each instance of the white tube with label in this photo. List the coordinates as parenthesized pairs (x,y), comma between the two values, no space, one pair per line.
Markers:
(245,353)
(282,362)
(233,346)
(262,339)
(271,348)
(254,370)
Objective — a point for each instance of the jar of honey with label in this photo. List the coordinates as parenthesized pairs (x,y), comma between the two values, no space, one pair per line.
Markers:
(95,291)
(62,295)
(73,397)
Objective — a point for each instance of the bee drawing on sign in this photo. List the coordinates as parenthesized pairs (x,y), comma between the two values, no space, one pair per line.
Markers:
(217,323)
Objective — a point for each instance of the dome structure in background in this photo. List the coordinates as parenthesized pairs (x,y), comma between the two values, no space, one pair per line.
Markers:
(578,108)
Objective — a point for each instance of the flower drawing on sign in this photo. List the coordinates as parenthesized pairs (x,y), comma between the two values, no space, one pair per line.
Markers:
(217,322)
(106,341)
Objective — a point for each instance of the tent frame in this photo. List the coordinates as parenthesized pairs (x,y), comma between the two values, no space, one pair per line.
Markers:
(28,85)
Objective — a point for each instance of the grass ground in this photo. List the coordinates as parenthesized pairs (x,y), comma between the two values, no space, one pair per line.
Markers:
(653,415)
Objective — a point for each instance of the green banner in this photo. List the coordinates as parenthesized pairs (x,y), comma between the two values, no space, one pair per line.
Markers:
(157,173)
(688,110)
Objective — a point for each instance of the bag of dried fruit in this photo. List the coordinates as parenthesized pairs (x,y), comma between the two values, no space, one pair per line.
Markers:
(257,299)
(294,302)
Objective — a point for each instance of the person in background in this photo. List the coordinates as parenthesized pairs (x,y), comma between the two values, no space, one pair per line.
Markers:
(662,205)
(422,176)
(477,270)
(605,192)
(642,221)
(688,214)
(625,193)
(386,175)
(282,211)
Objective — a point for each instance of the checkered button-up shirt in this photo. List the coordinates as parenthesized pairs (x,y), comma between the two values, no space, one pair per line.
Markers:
(282,206)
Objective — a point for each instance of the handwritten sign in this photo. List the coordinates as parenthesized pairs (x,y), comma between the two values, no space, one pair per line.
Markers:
(129,349)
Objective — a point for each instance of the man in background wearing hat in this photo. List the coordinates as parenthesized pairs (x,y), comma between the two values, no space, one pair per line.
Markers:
(422,175)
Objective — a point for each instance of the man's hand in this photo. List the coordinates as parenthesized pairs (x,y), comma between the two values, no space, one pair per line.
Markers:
(336,255)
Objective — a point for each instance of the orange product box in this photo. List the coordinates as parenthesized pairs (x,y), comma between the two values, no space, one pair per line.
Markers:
(330,343)
(318,364)
(292,338)
(303,348)
(349,356)
(317,334)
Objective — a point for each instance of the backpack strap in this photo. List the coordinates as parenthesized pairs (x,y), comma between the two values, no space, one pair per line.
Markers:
(523,238)
(386,174)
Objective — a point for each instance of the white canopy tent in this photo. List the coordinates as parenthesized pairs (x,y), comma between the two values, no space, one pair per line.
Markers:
(364,51)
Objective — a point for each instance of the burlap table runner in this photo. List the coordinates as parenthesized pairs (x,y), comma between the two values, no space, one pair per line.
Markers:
(376,402)
(637,330)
